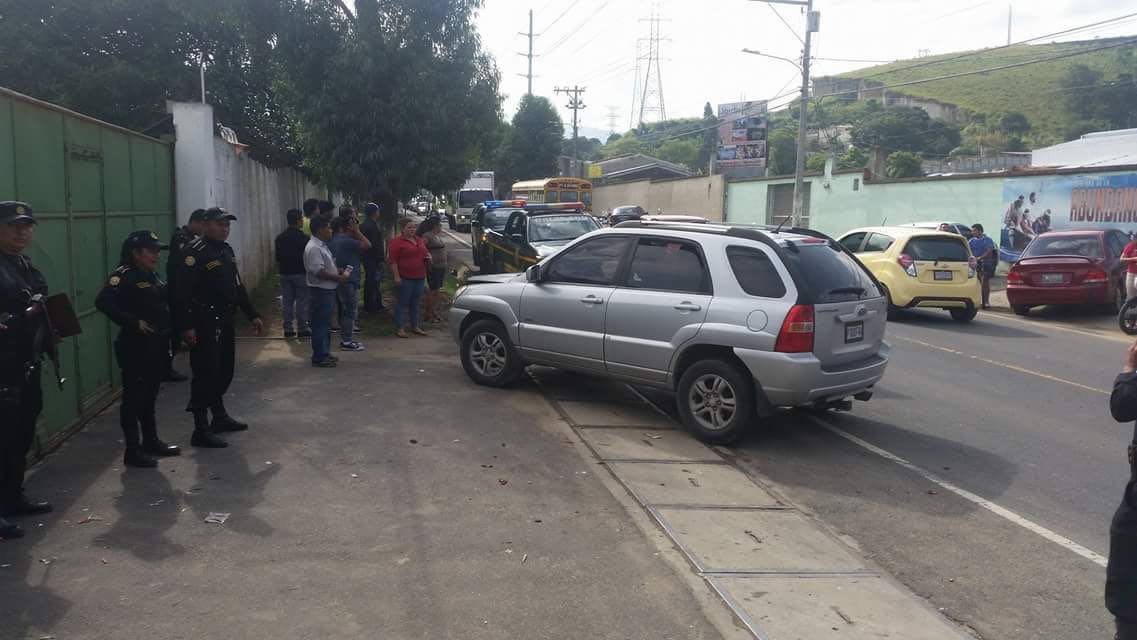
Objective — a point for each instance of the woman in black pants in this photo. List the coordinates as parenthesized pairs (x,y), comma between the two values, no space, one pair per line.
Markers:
(135,299)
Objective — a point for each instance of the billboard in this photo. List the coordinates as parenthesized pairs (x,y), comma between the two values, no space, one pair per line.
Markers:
(742,134)
(1034,205)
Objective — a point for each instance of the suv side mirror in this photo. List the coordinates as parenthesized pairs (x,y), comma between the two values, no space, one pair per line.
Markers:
(533,273)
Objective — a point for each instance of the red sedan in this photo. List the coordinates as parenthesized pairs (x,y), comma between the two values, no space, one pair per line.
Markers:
(1076,266)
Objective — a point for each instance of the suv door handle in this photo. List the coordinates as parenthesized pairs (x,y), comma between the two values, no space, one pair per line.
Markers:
(590,299)
(687,306)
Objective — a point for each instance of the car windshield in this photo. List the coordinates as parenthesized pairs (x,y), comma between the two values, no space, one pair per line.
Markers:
(623,211)
(938,248)
(1088,246)
(559,228)
(473,198)
(831,275)
(495,219)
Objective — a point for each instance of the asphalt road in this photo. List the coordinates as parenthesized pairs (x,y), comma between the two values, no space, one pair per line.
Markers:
(982,474)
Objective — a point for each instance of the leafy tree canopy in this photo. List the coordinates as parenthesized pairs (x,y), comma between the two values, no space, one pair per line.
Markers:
(903,164)
(535,139)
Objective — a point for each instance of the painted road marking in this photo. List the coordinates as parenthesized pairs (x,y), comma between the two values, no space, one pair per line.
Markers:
(1041,324)
(1005,365)
(1002,512)
(460,240)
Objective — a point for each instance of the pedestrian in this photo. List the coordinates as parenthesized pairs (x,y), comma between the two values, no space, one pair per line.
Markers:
(372,259)
(436,275)
(209,292)
(347,246)
(323,279)
(945,227)
(310,208)
(21,352)
(290,246)
(327,209)
(1129,257)
(986,257)
(135,299)
(408,257)
(182,236)
(1121,571)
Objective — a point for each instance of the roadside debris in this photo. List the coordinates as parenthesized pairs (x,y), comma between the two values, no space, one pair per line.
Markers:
(355,475)
(653,436)
(413,441)
(90,518)
(502,481)
(216,517)
(524,558)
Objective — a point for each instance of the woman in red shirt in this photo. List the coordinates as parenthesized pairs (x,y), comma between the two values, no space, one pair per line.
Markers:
(1129,257)
(409,259)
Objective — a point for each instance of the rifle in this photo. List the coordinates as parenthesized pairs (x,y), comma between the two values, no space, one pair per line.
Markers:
(59,321)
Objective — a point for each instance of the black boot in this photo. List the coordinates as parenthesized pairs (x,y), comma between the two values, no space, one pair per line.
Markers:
(10,530)
(203,436)
(160,449)
(21,506)
(138,458)
(223,422)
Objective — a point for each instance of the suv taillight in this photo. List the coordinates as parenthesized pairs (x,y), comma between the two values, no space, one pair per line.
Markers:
(796,335)
(908,264)
(1097,276)
(1014,277)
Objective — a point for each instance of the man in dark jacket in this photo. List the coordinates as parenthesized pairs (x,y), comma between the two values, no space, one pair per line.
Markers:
(373,259)
(178,242)
(1121,573)
(293,287)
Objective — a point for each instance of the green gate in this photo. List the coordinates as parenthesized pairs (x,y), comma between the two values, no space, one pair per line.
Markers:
(90,184)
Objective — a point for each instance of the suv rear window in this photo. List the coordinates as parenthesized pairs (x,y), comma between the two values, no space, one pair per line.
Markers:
(938,248)
(755,272)
(831,275)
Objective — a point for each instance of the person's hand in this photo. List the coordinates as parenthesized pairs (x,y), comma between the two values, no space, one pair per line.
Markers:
(398,280)
(1131,358)
(342,277)
(189,336)
(258,326)
(145,328)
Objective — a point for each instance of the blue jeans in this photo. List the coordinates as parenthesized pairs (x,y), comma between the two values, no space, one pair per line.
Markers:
(322,302)
(410,297)
(294,297)
(348,295)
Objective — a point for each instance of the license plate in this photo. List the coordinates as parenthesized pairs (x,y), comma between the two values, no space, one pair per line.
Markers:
(1053,278)
(942,275)
(854,332)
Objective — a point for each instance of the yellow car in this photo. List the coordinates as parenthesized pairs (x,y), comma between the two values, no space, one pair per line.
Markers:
(919,268)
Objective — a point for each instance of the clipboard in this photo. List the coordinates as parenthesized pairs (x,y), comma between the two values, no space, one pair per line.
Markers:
(62,315)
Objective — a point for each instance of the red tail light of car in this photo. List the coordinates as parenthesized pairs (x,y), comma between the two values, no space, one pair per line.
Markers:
(796,335)
(1096,276)
(908,264)
(1014,277)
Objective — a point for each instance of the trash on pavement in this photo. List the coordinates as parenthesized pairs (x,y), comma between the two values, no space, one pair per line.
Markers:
(90,518)
(216,517)
(355,475)
(524,558)
(653,436)
(502,481)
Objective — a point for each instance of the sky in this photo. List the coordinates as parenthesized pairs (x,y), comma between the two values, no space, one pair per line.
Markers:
(592,43)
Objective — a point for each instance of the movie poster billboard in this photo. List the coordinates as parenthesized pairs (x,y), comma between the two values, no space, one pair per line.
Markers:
(1034,205)
(742,134)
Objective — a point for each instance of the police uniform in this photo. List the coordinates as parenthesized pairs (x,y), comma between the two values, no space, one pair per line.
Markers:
(209,290)
(133,296)
(21,351)
(1121,572)
(178,242)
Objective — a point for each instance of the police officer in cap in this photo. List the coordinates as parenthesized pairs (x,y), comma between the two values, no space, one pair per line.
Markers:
(1121,572)
(22,334)
(134,298)
(178,242)
(209,290)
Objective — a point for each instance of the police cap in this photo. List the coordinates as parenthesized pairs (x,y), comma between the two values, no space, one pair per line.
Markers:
(142,239)
(12,211)
(197,216)
(213,214)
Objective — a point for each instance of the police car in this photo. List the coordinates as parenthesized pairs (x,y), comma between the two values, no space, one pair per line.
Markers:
(530,233)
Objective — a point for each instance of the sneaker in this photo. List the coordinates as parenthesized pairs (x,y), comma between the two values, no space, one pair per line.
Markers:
(333,358)
(351,346)
(325,364)
(419,331)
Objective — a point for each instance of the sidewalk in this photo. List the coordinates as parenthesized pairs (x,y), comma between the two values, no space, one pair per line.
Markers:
(387,498)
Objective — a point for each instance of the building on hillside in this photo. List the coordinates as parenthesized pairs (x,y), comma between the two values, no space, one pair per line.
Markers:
(1102,148)
(634,166)
(860,89)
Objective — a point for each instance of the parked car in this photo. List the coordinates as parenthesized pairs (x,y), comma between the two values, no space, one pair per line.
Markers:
(673,218)
(737,321)
(919,268)
(625,213)
(957,227)
(1074,266)
(422,207)
(533,233)
(489,217)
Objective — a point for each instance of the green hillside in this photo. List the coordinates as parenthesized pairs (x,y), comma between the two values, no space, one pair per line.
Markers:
(1033,90)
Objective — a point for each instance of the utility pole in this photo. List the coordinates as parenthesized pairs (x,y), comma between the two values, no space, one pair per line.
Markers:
(529,55)
(812,24)
(576,104)
(1010,17)
(651,97)
(613,116)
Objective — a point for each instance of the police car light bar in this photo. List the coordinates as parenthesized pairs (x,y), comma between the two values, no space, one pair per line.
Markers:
(576,206)
(500,204)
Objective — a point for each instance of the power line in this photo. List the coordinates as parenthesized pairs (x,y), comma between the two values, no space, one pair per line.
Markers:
(573,31)
(558,18)
(854,60)
(788,27)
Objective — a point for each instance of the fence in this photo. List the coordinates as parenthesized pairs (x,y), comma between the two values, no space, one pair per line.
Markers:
(90,184)
(699,196)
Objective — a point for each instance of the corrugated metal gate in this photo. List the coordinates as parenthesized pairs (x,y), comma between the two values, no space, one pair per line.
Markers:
(90,184)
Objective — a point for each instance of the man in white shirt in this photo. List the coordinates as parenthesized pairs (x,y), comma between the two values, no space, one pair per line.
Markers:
(323,278)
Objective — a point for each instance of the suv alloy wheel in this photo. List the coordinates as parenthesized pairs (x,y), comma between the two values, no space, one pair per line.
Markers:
(716,400)
(488,356)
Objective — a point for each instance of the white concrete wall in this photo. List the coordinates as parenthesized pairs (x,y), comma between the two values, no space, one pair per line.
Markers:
(698,196)
(209,172)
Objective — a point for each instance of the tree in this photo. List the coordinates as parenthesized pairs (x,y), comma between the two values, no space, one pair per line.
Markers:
(1014,124)
(903,164)
(782,150)
(588,148)
(815,162)
(1095,104)
(906,129)
(684,151)
(535,139)
(854,158)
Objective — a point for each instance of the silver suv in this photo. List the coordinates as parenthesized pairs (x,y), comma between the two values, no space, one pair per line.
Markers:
(737,321)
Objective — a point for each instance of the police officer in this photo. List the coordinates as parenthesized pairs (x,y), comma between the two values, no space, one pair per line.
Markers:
(134,298)
(209,290)
(22,332)
(1121,572)
(182,237)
